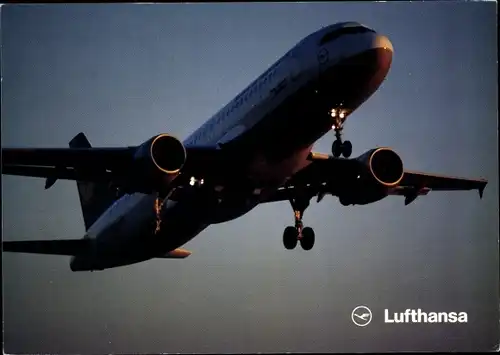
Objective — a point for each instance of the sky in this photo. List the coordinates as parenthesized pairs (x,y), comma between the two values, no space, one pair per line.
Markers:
(123,73)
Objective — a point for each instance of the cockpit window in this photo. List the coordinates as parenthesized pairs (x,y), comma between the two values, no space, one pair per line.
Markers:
(343,31)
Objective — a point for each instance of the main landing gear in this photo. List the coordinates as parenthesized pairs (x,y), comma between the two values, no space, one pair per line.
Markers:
(338,147)
(161,198)
(292,235)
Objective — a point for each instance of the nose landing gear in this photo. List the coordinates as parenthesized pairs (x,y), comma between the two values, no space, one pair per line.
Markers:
(294,234)
(338,147)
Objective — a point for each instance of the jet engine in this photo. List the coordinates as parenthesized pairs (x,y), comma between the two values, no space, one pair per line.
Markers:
(158,161)
(379,170)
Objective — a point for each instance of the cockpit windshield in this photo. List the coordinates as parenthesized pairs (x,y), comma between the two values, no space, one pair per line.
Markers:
(342,31)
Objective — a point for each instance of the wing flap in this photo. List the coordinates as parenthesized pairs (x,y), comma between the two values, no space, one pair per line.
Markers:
(50,247)
(67,157)
(52,173)
(39,171)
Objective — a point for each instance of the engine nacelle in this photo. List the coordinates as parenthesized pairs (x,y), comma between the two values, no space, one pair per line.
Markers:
(379,170)
(383,165)
(158,161)
(162,152)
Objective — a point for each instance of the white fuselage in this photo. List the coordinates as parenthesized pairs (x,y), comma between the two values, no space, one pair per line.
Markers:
(273,123)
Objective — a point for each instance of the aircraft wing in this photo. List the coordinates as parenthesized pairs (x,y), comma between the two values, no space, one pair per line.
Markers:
(313,181)
(109,165)
(442,182)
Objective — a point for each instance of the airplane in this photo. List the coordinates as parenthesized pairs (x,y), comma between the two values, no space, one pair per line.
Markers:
(147,201)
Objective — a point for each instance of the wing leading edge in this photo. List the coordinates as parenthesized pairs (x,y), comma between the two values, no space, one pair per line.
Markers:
(311,180)
(94,164)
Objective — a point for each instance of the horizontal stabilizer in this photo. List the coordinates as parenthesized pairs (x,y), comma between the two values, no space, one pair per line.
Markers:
(176,254)
(51,247)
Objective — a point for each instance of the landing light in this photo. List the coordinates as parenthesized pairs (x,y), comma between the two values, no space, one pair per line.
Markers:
(201,182)
(333,112)
(192,181)
(342,115)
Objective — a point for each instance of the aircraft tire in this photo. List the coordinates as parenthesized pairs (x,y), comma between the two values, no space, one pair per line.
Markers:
(346,149)
(308,238)
(336,148)
(290,237)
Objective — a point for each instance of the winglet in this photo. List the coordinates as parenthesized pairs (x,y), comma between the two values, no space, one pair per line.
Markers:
(481,190)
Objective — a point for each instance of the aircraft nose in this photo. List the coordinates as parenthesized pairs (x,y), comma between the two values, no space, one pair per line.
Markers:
(383,49)
(364,64)
(383,42)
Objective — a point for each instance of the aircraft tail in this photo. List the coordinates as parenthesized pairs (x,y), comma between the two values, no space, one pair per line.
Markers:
(95,198)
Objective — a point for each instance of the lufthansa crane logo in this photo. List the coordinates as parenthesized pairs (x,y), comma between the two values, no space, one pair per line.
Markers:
(323,56)
(361,316)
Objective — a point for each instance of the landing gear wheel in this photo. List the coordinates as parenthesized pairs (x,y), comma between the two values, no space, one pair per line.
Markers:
(344,202)
(337,148)
(341,148)
(308,237)
(290,236)
(346,149)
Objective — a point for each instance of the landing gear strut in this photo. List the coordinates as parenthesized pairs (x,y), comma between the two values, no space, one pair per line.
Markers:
(339,147)
(297,233)
(161,198)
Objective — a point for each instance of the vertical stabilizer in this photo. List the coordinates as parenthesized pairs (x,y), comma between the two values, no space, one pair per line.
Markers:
(95,198)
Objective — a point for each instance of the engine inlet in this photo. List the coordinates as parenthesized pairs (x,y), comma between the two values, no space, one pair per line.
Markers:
(386,166)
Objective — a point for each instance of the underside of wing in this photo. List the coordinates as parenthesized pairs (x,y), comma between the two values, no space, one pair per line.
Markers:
(67,157)
(442,182)
(52,173)
(50,247)
(144,168)
(414,184)
(344,177)
(82,164)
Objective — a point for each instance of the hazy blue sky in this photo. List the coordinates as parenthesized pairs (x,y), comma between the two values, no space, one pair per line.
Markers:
(122,73)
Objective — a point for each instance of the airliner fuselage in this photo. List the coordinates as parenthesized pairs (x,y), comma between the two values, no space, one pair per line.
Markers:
(271,126)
